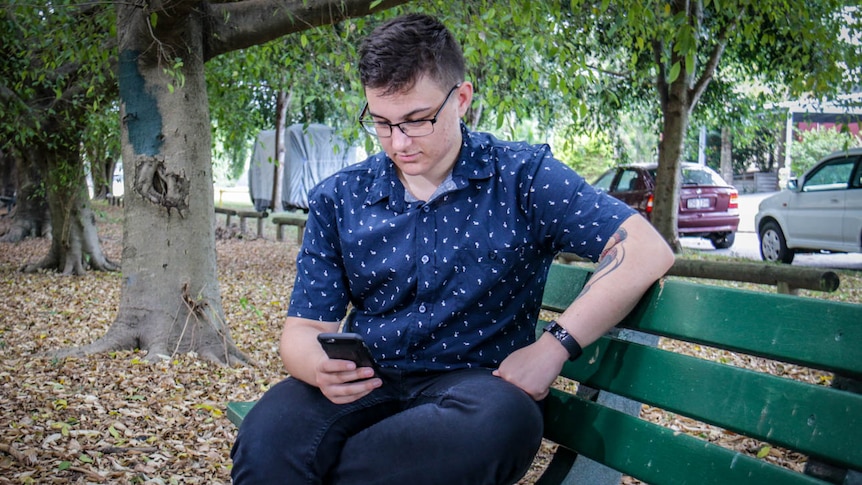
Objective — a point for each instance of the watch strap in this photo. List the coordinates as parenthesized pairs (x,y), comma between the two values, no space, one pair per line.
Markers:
(569,343)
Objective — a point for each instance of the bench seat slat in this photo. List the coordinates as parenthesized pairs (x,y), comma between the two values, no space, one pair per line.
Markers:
(813,419)
(651,452)
(236,411)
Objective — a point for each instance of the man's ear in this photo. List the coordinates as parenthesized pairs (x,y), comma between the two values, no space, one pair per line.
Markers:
(465,97)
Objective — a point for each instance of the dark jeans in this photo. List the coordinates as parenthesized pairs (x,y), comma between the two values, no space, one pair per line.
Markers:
(464,426)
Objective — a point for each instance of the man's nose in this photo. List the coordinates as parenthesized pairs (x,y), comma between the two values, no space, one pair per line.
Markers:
(399,139)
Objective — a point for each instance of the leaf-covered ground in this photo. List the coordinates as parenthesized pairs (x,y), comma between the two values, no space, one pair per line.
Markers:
(114,418)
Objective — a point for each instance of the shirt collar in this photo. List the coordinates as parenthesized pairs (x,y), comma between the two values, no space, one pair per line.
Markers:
(474,163)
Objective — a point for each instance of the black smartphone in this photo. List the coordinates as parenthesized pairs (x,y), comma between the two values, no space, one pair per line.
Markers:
(347,346)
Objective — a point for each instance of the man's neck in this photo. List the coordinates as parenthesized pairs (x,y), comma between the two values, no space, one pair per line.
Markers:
(422,187)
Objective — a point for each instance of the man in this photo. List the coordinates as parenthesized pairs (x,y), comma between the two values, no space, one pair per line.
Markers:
(441,246)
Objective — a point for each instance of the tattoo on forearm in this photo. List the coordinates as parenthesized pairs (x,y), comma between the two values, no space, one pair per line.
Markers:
(610,259)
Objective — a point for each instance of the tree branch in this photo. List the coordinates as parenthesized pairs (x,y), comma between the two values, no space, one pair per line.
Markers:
(661,78)
(237,25)
(714,58)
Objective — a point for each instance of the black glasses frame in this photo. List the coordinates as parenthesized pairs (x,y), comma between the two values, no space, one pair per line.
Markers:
(371,126)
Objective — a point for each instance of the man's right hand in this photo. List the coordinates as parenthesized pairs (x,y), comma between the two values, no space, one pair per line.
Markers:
(341,382)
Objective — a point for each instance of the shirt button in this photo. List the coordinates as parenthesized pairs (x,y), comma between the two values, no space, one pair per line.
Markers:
(425,259)
(422,308)
(426,208)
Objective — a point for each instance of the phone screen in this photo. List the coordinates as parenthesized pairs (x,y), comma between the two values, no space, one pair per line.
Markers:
(347,346)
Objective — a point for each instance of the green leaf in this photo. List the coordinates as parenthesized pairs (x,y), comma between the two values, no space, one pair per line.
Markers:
(374,4)
(764,452)
(85,458)
(674,72)
(303,40)
(64,465)
(154,18)
(689,62)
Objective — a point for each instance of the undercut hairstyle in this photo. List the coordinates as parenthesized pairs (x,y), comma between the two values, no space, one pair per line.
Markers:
(398,53)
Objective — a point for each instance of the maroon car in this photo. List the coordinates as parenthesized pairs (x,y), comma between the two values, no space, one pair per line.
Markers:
(708,206)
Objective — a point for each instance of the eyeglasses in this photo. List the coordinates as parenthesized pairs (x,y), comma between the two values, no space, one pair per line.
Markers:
(412,128)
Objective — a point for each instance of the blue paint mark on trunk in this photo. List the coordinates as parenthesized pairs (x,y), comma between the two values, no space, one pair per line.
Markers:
(142,112)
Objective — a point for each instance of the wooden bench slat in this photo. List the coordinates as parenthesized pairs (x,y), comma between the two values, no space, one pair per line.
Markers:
(805,331)
(653,453)
(563,285)
(811,419)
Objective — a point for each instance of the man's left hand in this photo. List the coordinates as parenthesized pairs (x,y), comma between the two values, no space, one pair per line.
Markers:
(535,367)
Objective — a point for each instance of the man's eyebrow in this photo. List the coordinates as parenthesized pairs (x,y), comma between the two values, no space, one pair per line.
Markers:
(406,117)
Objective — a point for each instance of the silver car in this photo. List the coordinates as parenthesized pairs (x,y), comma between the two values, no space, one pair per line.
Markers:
(821,211)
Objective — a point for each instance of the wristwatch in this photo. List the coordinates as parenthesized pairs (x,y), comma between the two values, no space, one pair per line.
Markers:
(569,342)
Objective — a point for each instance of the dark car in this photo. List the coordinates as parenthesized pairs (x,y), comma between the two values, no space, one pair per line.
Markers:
(708,206)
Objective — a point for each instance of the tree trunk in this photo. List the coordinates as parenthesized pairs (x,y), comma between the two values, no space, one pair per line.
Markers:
(675,123)
(102,169)
(31,217)
(75,243)
(283,100)
(726,156)
(170,301)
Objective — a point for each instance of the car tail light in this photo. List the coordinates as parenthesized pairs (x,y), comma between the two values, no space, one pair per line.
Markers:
(649,203)
(734,200)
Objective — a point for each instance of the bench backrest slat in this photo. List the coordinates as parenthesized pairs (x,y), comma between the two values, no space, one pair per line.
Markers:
(651,452)
(811,419)
(805,331)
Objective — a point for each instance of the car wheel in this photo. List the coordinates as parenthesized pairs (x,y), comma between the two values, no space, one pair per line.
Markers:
(773,247)
(722,240)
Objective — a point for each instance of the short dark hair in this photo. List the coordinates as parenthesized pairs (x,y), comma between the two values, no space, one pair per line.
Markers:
(396,54)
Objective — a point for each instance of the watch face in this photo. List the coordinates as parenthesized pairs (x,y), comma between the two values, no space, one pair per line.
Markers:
(557,331)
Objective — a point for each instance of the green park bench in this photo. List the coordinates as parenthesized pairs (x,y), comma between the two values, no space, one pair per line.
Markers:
(297,219)
(627,368)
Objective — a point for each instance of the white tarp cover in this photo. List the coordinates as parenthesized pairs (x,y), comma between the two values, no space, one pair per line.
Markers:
(311,153)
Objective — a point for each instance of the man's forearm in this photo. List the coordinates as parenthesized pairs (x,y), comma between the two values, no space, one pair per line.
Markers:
(633,260)
(299,349)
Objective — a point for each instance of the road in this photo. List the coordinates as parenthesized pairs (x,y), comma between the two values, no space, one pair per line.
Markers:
(747,244)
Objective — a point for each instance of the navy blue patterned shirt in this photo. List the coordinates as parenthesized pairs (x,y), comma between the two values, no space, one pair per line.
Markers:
(456,281)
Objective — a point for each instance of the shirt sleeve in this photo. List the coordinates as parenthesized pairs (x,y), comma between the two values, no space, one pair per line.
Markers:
(568,213)
(320,288)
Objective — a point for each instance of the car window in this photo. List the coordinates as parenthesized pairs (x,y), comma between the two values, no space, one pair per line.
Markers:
(833,175)
(604,182)
(701,176)
(628,181)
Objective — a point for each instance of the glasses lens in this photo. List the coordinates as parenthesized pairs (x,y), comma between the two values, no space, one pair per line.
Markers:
(382,130)
(417,128)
